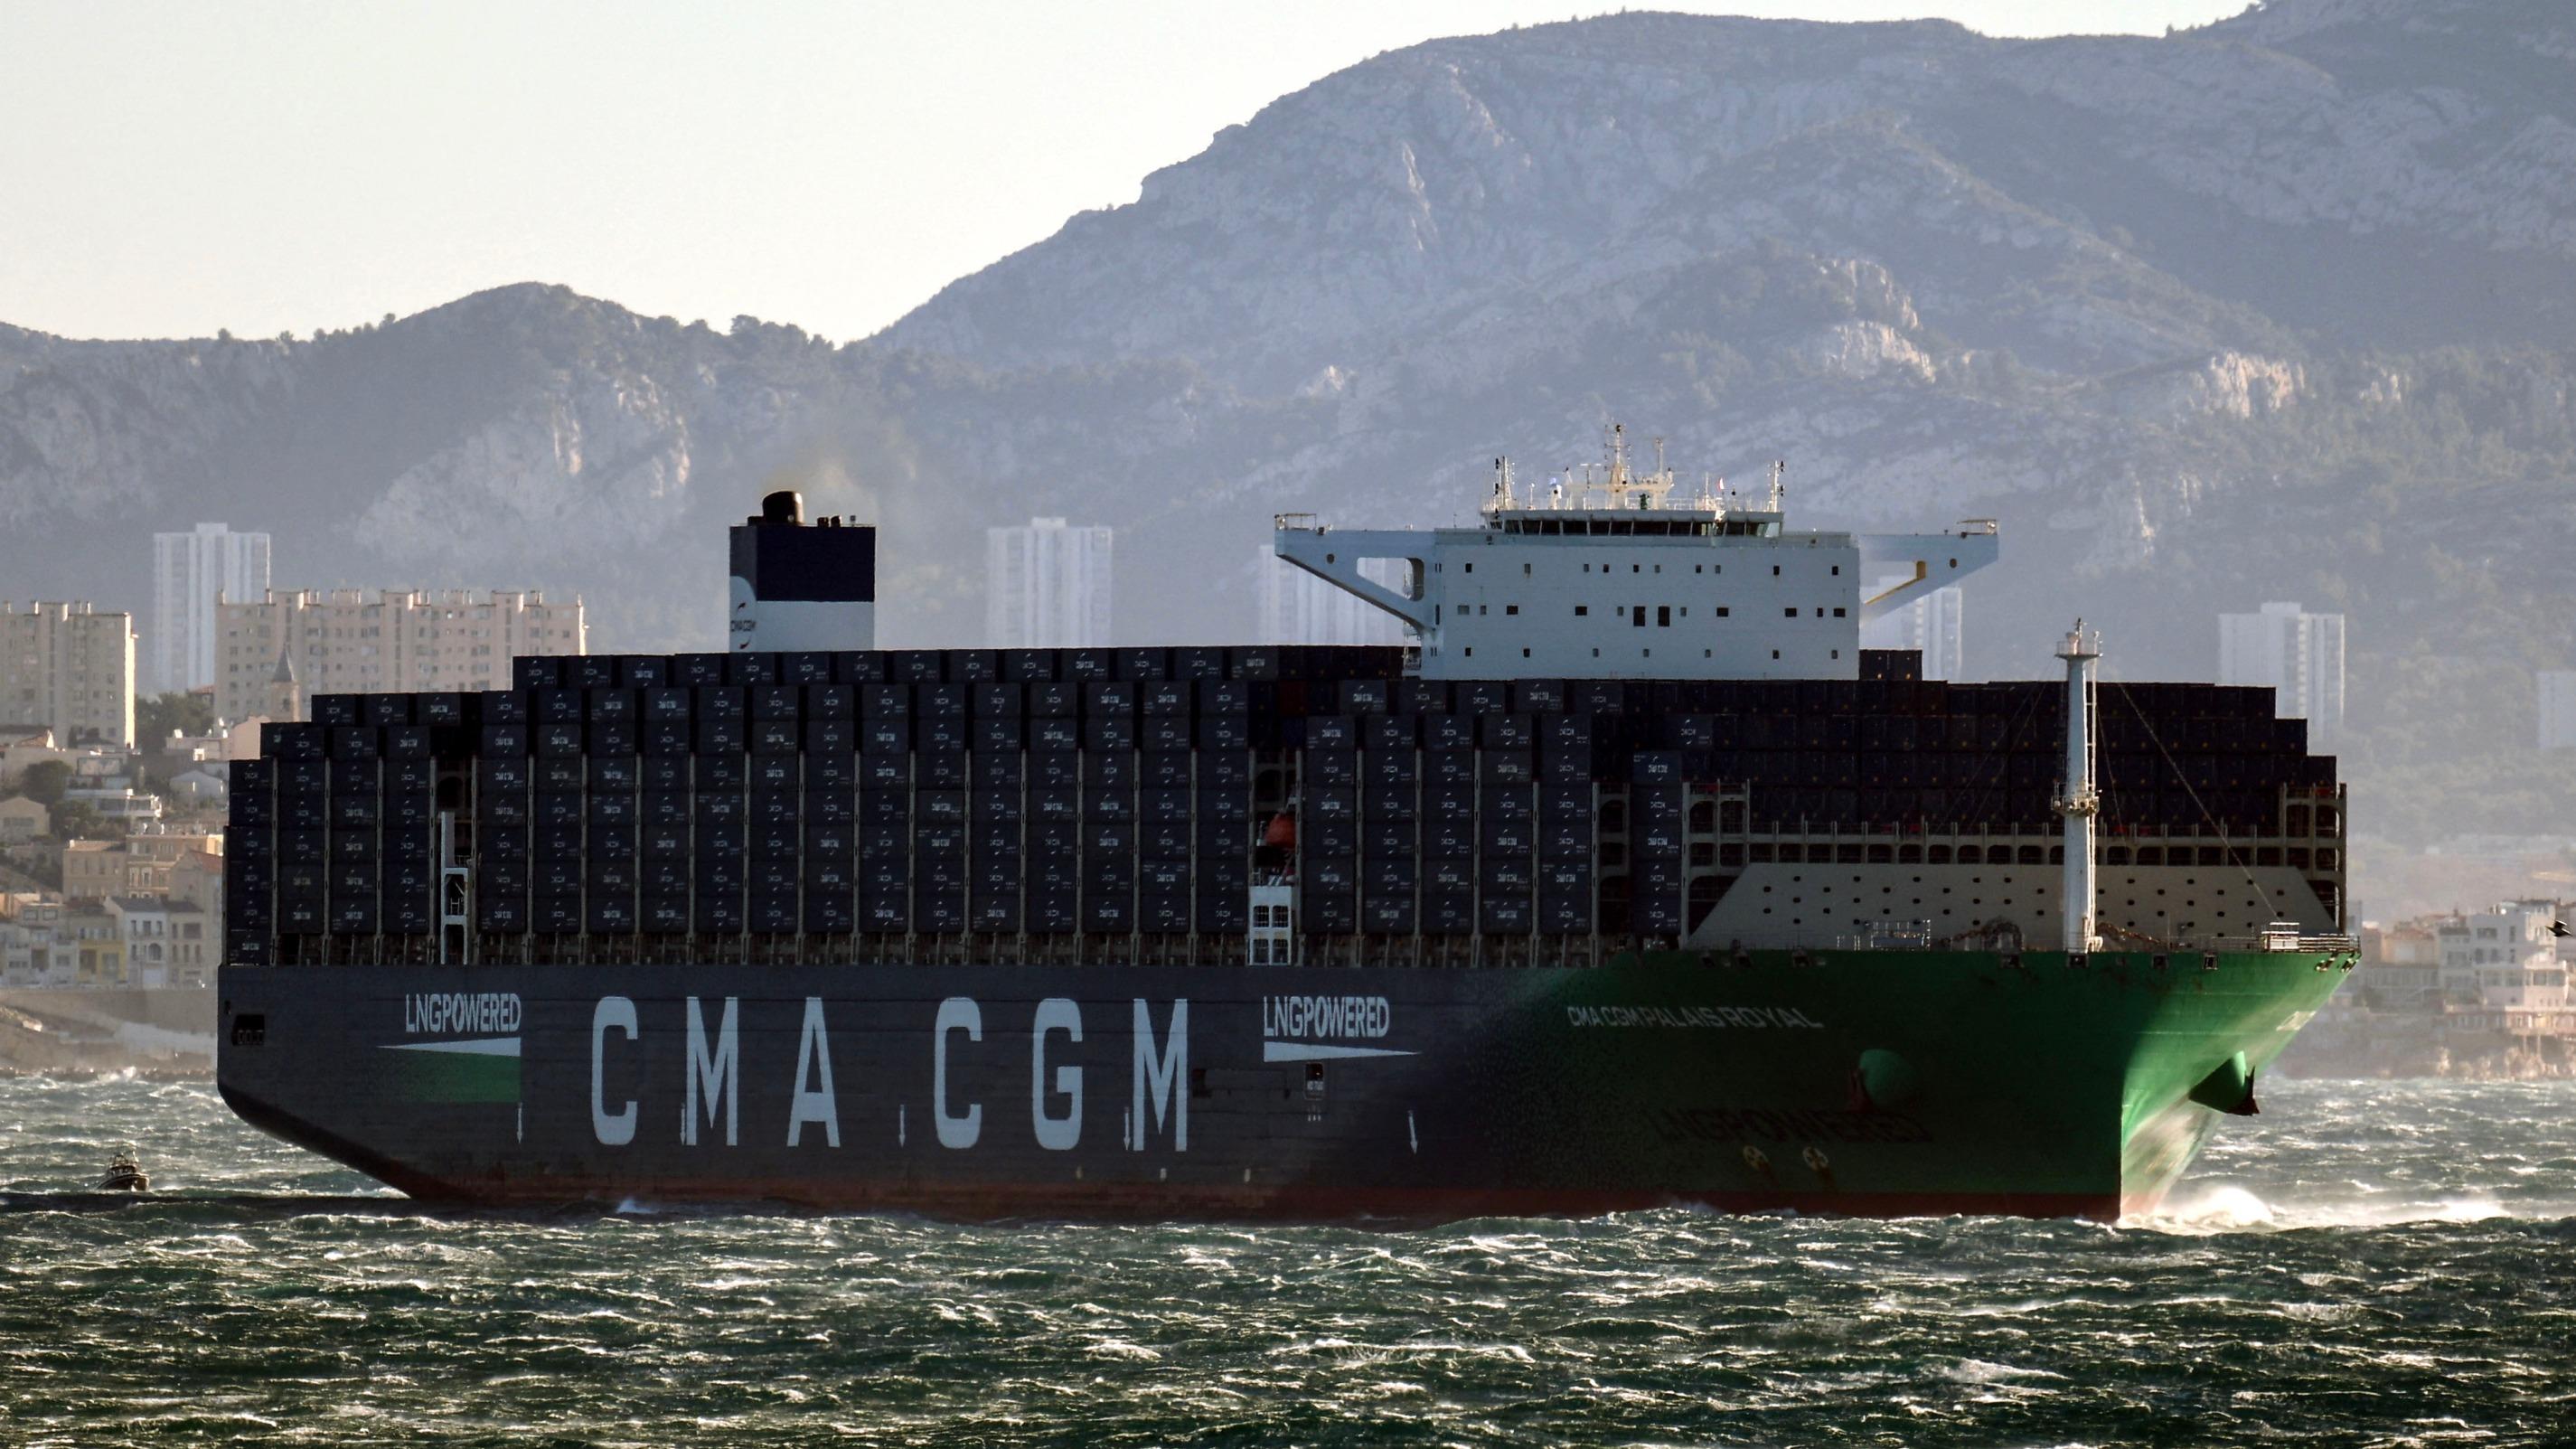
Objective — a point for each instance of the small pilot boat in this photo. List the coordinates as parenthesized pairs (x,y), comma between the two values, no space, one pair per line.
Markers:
(125,1175)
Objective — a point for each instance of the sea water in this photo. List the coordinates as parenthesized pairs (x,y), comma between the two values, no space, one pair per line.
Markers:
(2363,1264)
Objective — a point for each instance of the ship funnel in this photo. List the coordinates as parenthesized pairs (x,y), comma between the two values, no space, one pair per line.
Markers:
(801,587)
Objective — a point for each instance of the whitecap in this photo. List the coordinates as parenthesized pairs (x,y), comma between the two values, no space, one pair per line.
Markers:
(1986,1371)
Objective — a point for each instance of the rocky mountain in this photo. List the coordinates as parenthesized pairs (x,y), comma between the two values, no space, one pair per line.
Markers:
(2278,308)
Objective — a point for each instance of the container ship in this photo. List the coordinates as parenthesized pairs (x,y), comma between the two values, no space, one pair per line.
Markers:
(1631,880)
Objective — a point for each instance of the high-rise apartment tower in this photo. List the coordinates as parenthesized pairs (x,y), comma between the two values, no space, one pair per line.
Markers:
(1046,586)
(2297,653)
(1299,608)
(1935,624)
(70,668)
(190,573)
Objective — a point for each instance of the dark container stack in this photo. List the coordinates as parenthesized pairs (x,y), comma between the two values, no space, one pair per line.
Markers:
(1130,793)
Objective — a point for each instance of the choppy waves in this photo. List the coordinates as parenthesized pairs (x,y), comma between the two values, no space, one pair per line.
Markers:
(2361,1265)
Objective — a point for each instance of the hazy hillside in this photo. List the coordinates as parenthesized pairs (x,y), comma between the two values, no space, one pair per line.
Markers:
(2282,308)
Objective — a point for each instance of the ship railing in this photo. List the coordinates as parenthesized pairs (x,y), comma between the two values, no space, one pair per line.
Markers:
(1888,936)
(2290,940)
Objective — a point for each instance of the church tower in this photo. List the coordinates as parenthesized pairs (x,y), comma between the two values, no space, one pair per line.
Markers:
(285,696)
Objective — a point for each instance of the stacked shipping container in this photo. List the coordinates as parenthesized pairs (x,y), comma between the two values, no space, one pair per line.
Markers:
(1130,793)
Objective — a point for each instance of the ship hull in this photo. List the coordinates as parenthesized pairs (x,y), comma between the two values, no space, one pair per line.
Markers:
(1884,1083)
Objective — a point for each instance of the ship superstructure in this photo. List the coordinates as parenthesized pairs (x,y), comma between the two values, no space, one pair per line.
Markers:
(1620,575)
(1633,871)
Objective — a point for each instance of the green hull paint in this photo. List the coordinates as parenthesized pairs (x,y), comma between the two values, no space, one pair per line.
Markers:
(435,1073)
(2037,1080)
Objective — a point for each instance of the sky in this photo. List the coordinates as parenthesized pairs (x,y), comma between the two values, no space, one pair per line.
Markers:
(170,169)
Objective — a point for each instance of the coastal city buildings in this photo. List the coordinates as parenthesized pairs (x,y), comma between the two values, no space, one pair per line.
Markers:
(2299,654)
(190,572)
(2504,963)
(2557,691)
(354,641)
(1935,624)
(1299,608)
(2481,994)
(1046,586)
(22,820)
(29,924)
(115,865)
(2403,969)
(93,870)
(68,668)
(144,908)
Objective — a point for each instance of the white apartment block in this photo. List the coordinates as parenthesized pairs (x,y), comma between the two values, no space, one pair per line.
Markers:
(2300,655)
(1046,586)
(2503,960)
(1299,608)
(191,573)
(352,641)
(2557,688)
(70,668)
(1935,625)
